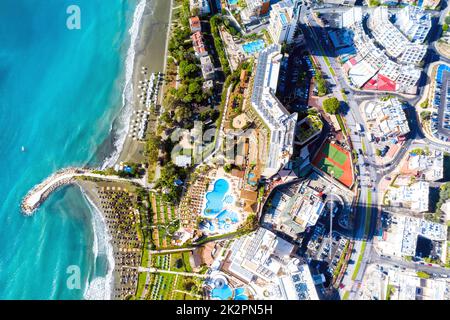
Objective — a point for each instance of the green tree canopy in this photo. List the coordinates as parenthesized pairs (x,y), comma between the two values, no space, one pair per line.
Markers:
(331,105)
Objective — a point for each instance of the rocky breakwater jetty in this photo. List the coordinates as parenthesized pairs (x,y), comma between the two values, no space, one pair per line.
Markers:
(40,192)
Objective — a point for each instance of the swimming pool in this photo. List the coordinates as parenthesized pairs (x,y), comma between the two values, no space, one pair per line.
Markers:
(253,47)
(239,294)
(251,179)
(225,293)
(219,217)
(226,218)
(214,204)
(232,2)
(222,293)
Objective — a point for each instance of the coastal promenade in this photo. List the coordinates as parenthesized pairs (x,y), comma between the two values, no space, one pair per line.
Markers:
(67,176)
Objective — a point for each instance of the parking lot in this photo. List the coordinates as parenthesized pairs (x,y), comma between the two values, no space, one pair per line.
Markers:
(440,118)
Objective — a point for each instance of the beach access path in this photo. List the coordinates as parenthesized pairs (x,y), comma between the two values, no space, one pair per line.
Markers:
(186,274)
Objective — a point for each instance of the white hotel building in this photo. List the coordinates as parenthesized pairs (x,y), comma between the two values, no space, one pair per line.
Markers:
(386,62)
(280,122)
(263,262)
(395,42)
(284,17)
(414,23)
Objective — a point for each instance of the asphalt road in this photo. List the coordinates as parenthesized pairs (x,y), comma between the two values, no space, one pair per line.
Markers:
(374,173)
(394,261)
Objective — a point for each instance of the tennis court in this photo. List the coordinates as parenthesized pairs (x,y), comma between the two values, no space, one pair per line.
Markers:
(332,152)
(330,168)
(335,161)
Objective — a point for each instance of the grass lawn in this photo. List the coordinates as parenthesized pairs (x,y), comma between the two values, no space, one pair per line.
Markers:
(341,124)
(327,166)
(358,263)
(423,275)
(141,284)
(363,146)
(327,61)
(144,258)
(167,286)
(158,208)
(172,212)
(346,295)
(186,261)
(166,213)
(390,291)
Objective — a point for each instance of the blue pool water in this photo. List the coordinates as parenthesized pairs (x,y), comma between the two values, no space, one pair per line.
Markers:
(215,198)
(253,47)
(239,294)
(223,293)
(251,175)
(228,215)
(226,218)
(60,91)
(226,293)
(232,2)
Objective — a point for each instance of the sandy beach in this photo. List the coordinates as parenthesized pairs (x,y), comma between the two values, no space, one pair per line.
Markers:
(126,249)
(150,53)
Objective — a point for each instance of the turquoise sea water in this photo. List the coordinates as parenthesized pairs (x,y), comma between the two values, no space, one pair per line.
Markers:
(60,90)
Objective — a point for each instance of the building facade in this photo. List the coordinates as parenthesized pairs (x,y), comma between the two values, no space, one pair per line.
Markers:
(414,23)
(278,120)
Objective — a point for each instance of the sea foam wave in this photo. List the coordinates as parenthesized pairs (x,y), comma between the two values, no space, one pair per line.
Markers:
(127,96)
(100,288)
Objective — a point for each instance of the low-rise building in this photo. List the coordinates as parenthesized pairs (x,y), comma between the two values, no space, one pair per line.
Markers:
(388,118)
(412,237)
(395,42)
(195,25)
(349,3)
(201,5)
(207,67)
(199,44)
(254,9)
(414,227)
(426,4)
(414,197)
(390,68)
(429,164)
(407,286)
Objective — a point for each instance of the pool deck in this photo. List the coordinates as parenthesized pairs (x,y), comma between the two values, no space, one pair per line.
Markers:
(230,207)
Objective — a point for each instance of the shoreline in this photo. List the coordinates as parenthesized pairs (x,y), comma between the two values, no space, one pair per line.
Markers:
(121,277)
(126,148)
(92,290)
(119,133)
(150,51)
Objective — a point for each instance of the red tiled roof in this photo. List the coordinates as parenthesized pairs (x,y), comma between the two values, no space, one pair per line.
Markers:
(371,84)
(385,84)
(194,22)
